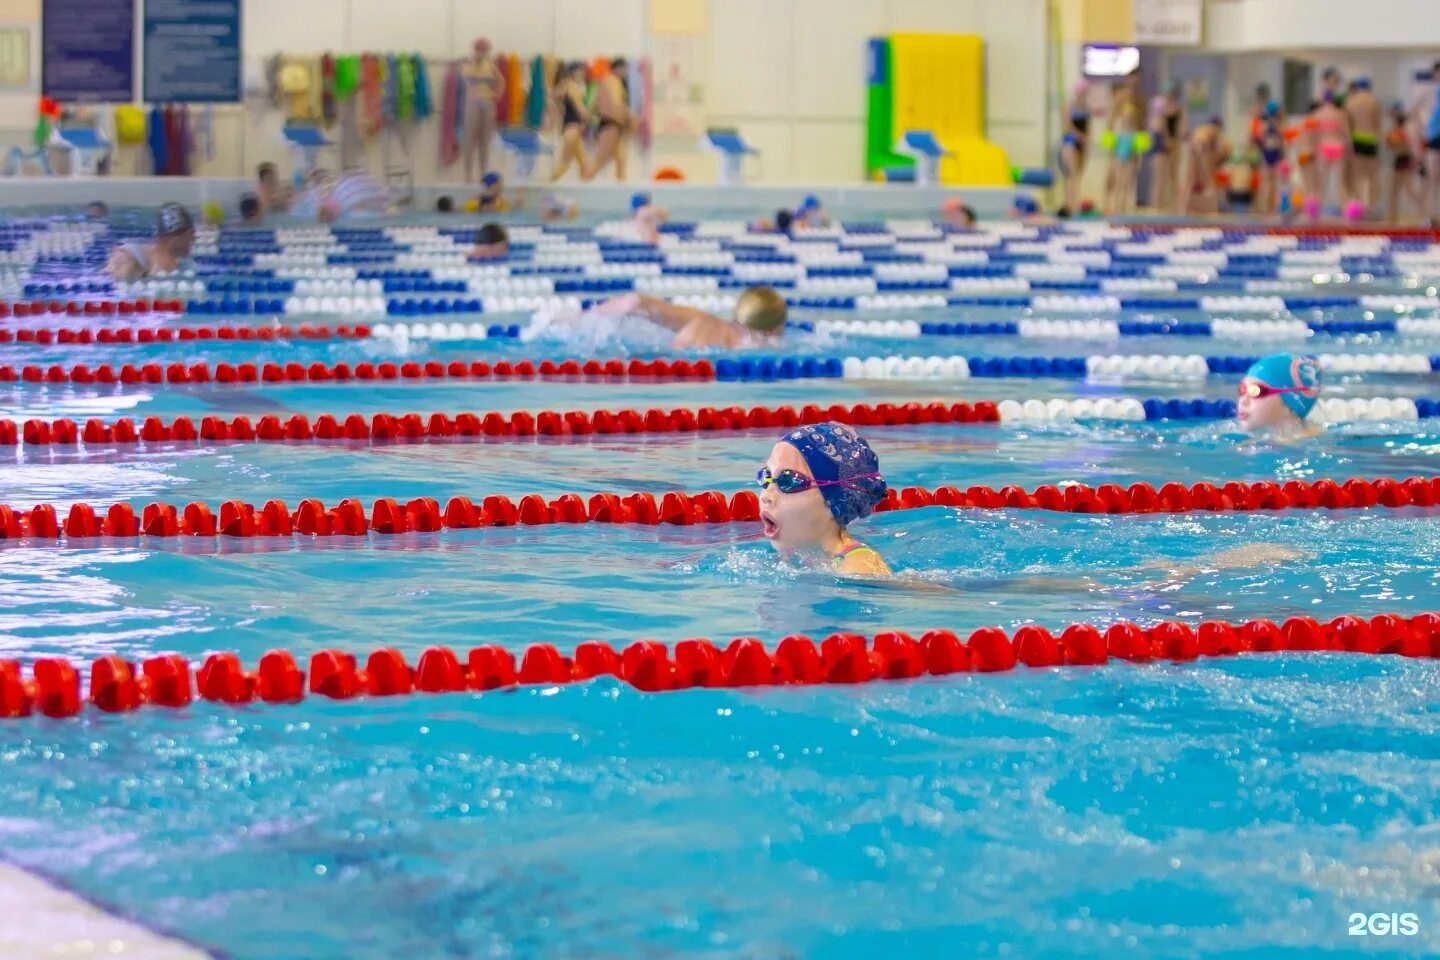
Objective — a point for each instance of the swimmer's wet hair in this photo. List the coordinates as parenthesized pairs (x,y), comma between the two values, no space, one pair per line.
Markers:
(761,309)
(491,233)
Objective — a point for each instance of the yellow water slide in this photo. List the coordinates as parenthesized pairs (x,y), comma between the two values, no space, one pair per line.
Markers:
(939,85)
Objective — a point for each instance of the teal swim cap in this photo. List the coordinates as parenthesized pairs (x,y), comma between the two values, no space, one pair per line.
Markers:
(1288,371)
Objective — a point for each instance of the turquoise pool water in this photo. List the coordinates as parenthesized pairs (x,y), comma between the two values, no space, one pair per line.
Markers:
(1228,808)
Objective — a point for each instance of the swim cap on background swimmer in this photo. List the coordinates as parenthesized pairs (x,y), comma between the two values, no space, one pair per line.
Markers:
(171,219)
(1026,205)
(835,452)
(761,309)
(811,202)
(1284,370)
(638,200)
(490,179)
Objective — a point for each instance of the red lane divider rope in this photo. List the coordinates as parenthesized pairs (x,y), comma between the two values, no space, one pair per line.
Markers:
(90,308)
(382,427)
(237,518)
(53,687)
(106,335)
(343,372)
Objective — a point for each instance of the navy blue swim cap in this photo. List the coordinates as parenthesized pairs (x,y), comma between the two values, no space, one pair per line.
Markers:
(836,454)
(638,200)
(490,179)
(1026,204)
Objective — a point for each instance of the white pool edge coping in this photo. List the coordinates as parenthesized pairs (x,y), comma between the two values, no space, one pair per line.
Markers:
(39,918)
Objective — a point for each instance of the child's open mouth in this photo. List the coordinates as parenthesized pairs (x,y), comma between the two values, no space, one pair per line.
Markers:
(768,525)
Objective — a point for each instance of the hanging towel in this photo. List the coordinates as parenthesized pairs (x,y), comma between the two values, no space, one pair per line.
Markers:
(371,116)
(424,109)
(390,77)
(159,157)
(644,97)
(515,89)
(347,76)
(205,132)
(327,90)
(502,104)
(184,136)
(272,80)
(535,102)
(450,114)
(404,87)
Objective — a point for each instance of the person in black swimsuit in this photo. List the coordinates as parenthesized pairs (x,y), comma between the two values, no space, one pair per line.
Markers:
(574,118)
(612,104)
(1404,180)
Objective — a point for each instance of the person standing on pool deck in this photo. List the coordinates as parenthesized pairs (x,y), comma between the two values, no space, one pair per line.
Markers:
(611,103)
(760,315)
(1277,395)
(819,479)
(1365,116)
(573,119)
(174,238)
(484,86)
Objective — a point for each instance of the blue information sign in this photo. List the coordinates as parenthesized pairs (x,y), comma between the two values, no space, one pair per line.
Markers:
(192,51)
(88,50)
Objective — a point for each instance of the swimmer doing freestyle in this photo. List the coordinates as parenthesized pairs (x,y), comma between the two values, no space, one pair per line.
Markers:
(760,315)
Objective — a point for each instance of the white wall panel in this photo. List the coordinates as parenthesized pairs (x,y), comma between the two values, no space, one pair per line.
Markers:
(411,26)
(829,55)
(293,26)
(828,151)
(752,67)
(589,28)
(937,16)
(527,26)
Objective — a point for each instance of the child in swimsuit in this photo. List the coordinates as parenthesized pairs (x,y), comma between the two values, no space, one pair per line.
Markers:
(819,479)
(1277,395)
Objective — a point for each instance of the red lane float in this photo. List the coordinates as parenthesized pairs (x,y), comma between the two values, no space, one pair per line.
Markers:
(54,687)
(113,335)
(387,516)
(317,372)
(386,427)
(89,308)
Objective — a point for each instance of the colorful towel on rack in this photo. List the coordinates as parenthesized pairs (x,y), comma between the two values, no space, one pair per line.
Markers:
(424,108)
(450,116)
(539,94)
(515,89)
(502,104)
(205,132)
(642,94)
(404,87)
(159,155)
(390,102)
(372,117)
(327,90)
(347,76)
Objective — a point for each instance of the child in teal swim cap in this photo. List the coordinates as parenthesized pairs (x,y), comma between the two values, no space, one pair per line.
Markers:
(818,480)
(1277,395)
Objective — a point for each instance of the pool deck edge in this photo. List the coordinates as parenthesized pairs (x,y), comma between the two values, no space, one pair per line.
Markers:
(43,919)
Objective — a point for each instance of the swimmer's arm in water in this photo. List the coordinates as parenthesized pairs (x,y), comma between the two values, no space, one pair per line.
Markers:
(659,312)
(123,265)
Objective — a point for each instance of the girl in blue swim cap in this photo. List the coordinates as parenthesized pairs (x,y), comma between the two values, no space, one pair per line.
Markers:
(818,480)
(1277,395)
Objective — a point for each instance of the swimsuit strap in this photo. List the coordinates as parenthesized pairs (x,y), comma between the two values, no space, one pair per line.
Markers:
(848,549)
